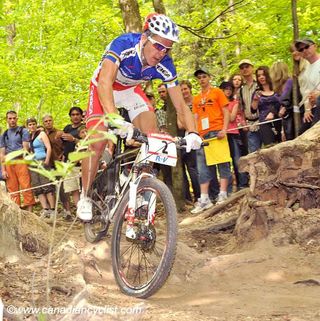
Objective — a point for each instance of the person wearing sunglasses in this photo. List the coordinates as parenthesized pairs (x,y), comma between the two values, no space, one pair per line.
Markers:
(129,60)
(308,50)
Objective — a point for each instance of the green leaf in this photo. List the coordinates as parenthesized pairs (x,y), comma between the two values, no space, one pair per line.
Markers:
(20,161)
(44,172)
(76,156)
(15,154)
(62,168)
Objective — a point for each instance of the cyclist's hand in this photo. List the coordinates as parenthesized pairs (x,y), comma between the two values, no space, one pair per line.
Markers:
(124,129)
(193,141)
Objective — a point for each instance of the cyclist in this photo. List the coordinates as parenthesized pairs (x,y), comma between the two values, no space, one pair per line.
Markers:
(127,61)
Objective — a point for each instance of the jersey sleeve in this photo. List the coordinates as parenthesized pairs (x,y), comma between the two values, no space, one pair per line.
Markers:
(117,49)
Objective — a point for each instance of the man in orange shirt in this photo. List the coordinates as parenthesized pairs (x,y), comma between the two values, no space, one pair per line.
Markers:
(212,117)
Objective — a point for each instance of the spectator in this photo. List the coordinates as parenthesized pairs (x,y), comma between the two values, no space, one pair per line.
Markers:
(282,85)
(252,118)
(70,138)
(311,92)
(189,160)
(56,142)
(267,103)
(17,175)
(212,117)
(237,82)
(54,135)
(41,148)
(234,139)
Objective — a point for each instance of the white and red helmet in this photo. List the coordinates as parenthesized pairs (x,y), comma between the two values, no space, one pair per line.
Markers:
(161,25)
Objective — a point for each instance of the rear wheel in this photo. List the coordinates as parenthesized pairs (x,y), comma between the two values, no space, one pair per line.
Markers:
(141,266)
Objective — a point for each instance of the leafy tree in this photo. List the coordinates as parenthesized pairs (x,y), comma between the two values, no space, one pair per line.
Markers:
(49,49)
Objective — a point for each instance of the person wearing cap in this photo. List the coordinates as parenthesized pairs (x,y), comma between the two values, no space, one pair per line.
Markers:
(212,117)
(248,88)
(16,175)
(308,50)
(129,60)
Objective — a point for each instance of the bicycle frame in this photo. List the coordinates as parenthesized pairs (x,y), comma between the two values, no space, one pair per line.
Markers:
(133,179)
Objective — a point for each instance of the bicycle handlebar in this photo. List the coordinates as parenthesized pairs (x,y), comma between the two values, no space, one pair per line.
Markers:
(141,137)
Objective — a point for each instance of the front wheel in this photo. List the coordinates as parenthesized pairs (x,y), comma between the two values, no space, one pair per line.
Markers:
(142,265)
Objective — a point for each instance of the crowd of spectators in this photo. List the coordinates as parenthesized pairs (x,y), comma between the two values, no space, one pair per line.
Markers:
(250,110)
(47,144)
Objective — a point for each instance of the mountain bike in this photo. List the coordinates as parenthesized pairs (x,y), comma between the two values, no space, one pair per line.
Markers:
(128,194)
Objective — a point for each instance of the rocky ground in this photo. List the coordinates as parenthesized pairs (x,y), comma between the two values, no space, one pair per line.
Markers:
(215,277)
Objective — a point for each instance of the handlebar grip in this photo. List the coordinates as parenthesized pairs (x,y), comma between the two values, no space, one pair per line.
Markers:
(182,143)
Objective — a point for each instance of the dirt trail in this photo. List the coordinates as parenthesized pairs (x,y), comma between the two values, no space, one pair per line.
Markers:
(213,278)
(253,283)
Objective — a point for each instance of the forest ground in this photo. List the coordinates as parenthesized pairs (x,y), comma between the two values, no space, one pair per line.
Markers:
(214,277)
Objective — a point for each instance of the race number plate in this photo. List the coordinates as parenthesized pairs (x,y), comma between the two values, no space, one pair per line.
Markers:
(162,149)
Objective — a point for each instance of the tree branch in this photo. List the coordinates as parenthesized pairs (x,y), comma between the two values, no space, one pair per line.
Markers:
(213,38)
(227,10)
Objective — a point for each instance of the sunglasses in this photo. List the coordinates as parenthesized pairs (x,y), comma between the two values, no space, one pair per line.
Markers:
(303,48)
(159,46)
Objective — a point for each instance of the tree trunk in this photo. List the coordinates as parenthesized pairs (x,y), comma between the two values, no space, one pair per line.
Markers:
(296,108)
(130,15)
(283,178)
(177,181)
(159,6)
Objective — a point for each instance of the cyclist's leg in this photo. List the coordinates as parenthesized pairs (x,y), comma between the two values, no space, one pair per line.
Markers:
(146,122)
(94,116)
(90,164)
(140,110)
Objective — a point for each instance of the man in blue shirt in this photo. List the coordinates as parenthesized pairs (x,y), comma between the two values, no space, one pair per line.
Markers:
(128,61)
(17,176)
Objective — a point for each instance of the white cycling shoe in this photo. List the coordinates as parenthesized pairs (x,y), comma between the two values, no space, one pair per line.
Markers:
(84,209)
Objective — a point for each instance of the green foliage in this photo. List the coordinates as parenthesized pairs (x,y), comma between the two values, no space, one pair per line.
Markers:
(56,47)
(263,31)
(49,49)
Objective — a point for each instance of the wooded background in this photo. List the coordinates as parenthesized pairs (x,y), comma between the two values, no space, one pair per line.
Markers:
(50,48)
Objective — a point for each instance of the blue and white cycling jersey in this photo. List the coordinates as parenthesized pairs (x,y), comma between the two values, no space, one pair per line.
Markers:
(125,51)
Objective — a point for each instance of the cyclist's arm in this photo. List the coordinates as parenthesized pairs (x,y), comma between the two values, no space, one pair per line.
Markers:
(184,115)
(107,77)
